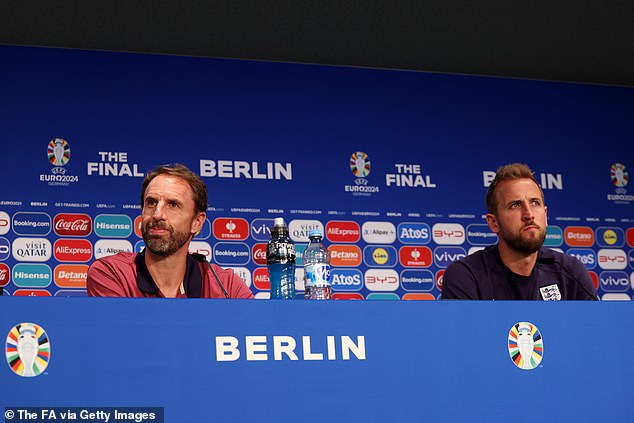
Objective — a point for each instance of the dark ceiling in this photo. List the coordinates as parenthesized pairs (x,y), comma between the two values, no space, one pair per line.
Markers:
(578,41)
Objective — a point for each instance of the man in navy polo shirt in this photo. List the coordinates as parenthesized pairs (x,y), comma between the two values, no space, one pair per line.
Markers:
(518,267)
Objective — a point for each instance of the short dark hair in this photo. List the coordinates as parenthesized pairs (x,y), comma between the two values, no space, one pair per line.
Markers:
(179,171)
(504,173)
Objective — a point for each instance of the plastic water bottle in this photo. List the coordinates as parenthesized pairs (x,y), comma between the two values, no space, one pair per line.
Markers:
(317,269)
(280,260)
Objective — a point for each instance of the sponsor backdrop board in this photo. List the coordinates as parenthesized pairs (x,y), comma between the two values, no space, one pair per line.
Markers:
(392,165)
(247,361)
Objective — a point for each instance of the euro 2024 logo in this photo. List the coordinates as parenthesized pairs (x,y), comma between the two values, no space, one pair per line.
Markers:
(360,167)
(525,345)
(58,153)
(28,349)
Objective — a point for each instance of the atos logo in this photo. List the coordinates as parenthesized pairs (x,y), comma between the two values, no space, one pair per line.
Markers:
(231,229)
(259,254)
(298,229)
(231,253)
(610,237)
(5,274)
(378,232)
(113,226)
(554,236)
(31,223)
(261,229)
(415,256)
(32,249)
(380,256)
(343,231)
(585,255)
(612,259)
(261,279)
(200,247)
(579,236)
(414,233)
(629,235)
(344,255)
(444,256)
(108,247)
(5,223)
(32,275)
(70,224)
(346,279)
(481,234)
(448,233)
(243,273)
(614,281)
(71,275)
(417,280)
(381,280)
(5,248)
(205,230)
(77,250)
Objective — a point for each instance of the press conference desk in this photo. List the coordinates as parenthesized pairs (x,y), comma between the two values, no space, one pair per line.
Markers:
(338,361)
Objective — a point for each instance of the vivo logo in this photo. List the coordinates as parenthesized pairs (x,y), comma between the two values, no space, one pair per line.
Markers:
(261,229)
(614,281)
(444,256)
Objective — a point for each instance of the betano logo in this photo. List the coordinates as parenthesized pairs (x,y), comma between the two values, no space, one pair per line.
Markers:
(344,255)
(525,345)
(579,236)
(231,229)
(28,349)
(70,275)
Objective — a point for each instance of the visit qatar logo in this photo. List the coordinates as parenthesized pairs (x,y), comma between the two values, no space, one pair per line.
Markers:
(28,350)
(526,346)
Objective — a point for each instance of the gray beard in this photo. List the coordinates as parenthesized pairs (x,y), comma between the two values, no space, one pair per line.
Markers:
(165,247)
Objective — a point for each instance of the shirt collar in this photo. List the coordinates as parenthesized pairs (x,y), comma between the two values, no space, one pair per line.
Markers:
(192,283)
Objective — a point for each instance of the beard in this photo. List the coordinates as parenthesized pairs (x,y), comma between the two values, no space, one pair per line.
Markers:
(163,246)
(524,244)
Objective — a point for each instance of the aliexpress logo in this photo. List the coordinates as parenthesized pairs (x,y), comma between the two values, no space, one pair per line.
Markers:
(343,231)
(261,279)
(72,250)
(231,229)
(345,255)
(71,275)
(579,236)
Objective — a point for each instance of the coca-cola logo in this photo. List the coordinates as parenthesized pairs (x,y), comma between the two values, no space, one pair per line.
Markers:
(71,224)
(259,253)
(5,274)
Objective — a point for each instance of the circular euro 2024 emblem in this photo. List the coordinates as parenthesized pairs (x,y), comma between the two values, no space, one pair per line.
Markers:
(360,164)
(526,346)
(28,349)
(58,152)
(619,175)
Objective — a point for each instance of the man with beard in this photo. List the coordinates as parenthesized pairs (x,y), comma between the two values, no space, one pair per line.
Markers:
(174,205)
(518,267)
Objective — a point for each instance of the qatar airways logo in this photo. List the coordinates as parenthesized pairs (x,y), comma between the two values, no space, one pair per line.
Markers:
(240,169)
(231,229)
(448,233)
(70,224)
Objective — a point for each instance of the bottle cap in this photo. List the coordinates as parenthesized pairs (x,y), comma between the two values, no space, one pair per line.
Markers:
(314,232)
(278,221)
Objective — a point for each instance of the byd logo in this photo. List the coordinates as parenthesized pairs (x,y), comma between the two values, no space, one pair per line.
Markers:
(612,259)
(448,233)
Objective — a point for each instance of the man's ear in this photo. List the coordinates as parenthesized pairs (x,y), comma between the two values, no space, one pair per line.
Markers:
(198,222)
(493,223)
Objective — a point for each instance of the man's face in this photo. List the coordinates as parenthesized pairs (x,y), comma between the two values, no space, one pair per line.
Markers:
(169,216)
(520,220)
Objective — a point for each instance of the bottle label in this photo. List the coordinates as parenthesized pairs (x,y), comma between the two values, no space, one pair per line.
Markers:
(317,274)
(280,252)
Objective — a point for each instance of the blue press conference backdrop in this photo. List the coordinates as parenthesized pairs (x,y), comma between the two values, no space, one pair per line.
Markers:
(392,165)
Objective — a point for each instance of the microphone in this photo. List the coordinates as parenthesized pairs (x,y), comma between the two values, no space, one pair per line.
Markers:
(551,260)
(203,259)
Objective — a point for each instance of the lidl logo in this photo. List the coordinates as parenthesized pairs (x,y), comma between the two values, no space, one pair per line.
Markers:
(414,233)
(28,349)
(554,236)
(230,229)
(35,223)
(610,237)
(525,345)
(113,226)
(415,256)
(32,275)
(380,256)
(417,280)
(579,236)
